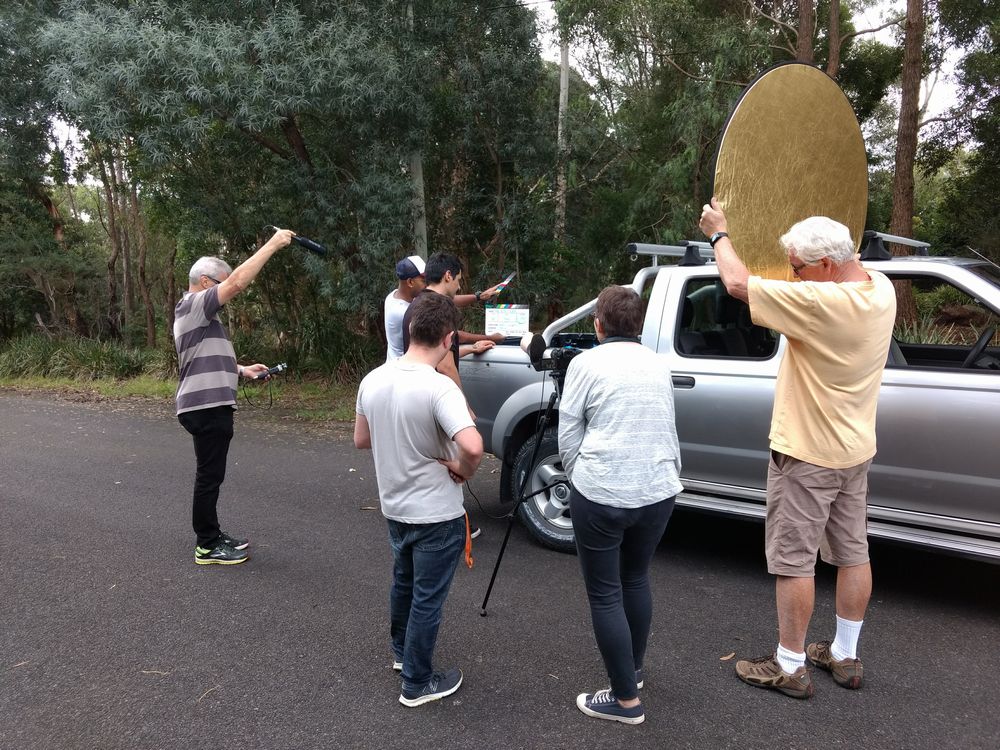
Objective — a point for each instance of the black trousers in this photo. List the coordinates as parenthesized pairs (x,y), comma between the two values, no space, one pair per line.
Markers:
(212,430)
(615,547)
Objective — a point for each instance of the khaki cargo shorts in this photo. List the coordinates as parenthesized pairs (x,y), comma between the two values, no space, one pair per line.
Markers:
(812,508)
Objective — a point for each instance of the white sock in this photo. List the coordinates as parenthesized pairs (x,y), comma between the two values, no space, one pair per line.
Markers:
(789,661)
(845,645)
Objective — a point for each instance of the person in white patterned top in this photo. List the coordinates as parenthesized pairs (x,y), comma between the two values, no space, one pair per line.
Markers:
(618,444)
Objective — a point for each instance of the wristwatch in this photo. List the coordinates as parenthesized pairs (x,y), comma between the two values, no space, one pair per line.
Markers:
(716,237)
(479,296)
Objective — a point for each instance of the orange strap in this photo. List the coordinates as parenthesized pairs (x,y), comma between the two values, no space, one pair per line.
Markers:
(468,543)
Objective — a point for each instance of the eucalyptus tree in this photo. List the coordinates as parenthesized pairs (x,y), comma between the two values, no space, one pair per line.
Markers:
(304,114)
(667,74)
(963,144)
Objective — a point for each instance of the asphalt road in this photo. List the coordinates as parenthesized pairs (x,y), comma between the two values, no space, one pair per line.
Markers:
(111,637)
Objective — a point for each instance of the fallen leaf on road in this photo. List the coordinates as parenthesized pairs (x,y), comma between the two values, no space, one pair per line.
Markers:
(368,507)
(207,692)
(727,657)
(20,664)
(153,671)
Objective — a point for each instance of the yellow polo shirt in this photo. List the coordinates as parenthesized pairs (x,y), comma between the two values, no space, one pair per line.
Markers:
(828,382)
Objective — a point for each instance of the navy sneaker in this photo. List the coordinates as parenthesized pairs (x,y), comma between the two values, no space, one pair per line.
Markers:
(397,665)
(233,541)
(442,685)
(604,705)
(220,554)
(476,531)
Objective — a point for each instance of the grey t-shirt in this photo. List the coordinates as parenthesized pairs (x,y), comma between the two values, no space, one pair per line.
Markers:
(413,413)
(205,356)
(617,437)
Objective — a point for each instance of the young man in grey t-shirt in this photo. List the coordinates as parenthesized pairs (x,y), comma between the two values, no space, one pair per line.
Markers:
(425,444)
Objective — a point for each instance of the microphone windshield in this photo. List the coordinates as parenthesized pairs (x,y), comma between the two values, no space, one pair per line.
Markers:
(310,245)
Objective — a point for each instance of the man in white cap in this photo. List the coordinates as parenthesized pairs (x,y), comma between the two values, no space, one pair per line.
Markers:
(410,272)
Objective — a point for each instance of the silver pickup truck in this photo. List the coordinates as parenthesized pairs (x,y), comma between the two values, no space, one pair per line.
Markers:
(936,479)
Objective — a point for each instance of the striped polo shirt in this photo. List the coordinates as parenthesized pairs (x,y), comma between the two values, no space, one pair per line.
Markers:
(205,355)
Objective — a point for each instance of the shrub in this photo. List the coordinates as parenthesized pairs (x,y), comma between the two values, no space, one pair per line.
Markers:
(82,359)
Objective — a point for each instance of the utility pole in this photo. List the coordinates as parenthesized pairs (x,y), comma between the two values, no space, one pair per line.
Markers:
(417,176)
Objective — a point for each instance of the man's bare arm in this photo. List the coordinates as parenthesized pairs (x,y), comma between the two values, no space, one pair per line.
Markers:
(470,452)
(244,274)
(362,433)
(732,270)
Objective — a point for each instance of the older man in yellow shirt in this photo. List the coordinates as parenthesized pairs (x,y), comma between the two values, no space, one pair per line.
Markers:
(837,319)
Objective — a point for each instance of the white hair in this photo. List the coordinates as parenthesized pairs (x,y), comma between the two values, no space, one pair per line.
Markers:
(819,237)
(208,266)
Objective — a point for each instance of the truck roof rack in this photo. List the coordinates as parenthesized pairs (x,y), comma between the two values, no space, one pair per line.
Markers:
(873,245)
(691,252)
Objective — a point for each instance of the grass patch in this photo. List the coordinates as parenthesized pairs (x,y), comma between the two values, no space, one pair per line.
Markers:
(307,401)
(143,386)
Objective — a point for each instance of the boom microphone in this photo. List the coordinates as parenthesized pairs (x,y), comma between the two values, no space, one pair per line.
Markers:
(310,245)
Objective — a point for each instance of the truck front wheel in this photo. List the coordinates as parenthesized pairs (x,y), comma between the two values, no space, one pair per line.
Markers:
(546,515)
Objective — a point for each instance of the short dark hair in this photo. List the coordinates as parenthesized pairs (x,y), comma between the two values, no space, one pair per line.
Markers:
(432,316)
(619,309)
(439,264)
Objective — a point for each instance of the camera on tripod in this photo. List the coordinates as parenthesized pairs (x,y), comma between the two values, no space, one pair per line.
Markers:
(554,359)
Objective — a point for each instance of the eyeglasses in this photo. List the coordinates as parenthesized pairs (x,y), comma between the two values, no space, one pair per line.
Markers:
(211,278)
(796,269)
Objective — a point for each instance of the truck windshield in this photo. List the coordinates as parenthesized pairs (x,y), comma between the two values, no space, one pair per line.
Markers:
(990,273)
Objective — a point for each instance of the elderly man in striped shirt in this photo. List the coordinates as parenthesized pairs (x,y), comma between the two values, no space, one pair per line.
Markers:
(206,395)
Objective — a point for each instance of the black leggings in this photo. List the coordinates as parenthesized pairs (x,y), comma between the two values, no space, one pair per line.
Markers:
(615,546)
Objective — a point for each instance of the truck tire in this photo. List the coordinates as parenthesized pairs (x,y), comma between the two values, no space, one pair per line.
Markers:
(546,515)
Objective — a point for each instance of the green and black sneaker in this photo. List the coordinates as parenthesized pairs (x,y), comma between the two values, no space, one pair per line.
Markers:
(232,541)
(220,554)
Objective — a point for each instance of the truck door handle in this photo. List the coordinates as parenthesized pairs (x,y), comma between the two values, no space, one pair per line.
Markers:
(683,381)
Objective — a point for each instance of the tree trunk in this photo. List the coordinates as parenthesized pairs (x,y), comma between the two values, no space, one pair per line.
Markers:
(144,283)
(561,147)
(290,129)
(128,284)
(114,311)
(42,195)
(417,178)
(171,287)
(901,222)
(807,29)
(833,35)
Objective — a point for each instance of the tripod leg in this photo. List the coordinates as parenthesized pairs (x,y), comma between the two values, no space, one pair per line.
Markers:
(521,496)
(496,566)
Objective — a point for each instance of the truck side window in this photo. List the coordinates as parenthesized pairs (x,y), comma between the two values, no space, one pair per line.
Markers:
(713,324)
(941,326)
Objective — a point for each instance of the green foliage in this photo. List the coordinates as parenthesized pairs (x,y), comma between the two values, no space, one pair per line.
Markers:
(926,331)
(930,303)
(82,359)
(206,121)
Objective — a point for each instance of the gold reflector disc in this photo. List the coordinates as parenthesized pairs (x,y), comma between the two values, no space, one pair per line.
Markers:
(792,149)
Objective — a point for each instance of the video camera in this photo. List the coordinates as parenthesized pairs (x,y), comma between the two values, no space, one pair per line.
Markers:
(544,358)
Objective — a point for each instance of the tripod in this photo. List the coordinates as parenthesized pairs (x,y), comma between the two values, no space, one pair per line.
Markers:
(557,377)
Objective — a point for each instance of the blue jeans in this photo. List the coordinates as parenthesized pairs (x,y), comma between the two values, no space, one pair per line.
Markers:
(615,546)
(425,558)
